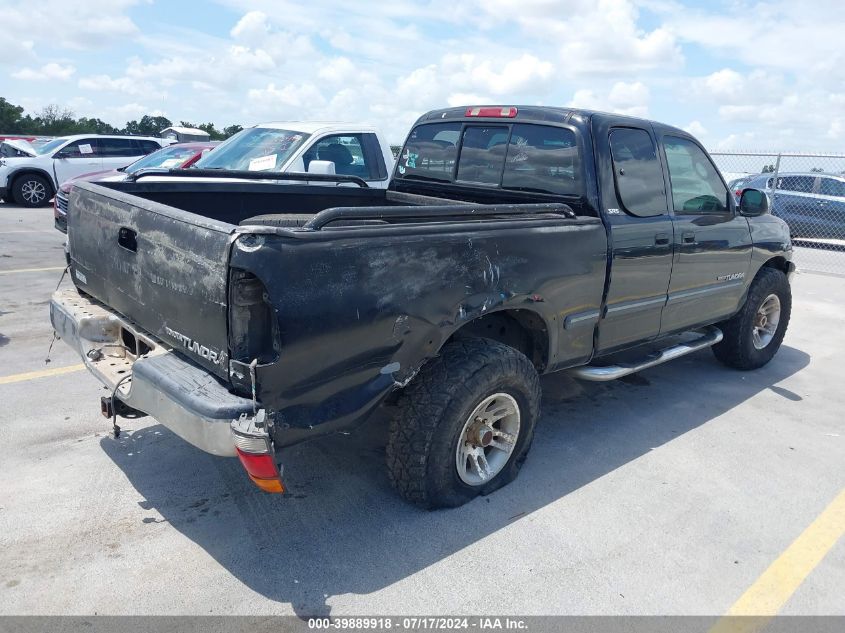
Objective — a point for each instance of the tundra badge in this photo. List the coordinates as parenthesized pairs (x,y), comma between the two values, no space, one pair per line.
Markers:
(193,346)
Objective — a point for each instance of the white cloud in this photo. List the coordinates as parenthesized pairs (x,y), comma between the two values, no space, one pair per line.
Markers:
(463,98)
(588,36)
(252,26)
(696,129)
(769,81)
(337,70)
(92,24)
(48,72)
(13,48)
(630,99)
(96,85)
(245,58)
(275,101)
(526,73)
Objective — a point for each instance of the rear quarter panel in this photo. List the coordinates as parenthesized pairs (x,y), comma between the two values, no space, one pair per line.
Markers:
(360,310)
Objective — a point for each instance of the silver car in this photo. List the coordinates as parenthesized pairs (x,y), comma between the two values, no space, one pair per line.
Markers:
(812,204)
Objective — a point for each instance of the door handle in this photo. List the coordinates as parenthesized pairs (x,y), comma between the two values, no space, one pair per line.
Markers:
(688,238)
(128,239)
(661,239)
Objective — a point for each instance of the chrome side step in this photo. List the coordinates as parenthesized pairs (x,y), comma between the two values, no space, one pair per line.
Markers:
(710,336)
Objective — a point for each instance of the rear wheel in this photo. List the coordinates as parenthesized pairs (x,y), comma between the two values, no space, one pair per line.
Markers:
(32,190)
(754,335)
(464,425)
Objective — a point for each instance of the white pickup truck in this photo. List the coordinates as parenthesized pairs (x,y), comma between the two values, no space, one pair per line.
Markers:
(346,149)
(31,181)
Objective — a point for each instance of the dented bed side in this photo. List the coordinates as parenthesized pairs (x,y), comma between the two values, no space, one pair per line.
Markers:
(360,310)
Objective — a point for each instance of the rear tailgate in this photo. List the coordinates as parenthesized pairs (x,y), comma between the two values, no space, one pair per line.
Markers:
(163,268)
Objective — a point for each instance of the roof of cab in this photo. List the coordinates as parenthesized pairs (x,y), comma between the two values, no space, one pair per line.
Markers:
(535,114)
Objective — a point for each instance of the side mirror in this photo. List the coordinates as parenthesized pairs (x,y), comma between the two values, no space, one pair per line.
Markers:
(321,167)
(753,203)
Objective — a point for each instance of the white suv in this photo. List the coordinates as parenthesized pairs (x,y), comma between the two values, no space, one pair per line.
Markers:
(31,181)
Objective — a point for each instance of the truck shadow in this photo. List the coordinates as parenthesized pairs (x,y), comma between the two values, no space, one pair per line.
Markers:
(341,529)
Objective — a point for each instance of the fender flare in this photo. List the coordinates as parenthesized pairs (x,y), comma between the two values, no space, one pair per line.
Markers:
(21,171)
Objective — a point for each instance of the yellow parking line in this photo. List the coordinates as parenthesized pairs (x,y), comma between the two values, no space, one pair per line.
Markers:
(42,373)
(775,586)
(30,270)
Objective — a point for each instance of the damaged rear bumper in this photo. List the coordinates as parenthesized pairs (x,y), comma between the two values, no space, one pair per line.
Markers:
(183,397)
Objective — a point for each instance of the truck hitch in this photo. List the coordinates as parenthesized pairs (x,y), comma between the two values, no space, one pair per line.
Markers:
(255,450)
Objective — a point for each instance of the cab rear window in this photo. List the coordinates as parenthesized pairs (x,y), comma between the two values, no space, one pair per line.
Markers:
(519,156)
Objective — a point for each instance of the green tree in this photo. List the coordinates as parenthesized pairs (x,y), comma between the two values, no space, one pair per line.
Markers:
(817,170)
(53,120)
(11,117)
(147,126)
(95,126)
(768,169)
(231,130)
(213,133)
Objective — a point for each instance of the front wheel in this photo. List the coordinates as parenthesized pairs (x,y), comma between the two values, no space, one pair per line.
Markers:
(464,425)
(31,190)
(754,334)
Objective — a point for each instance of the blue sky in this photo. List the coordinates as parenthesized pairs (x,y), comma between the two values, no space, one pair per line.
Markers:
(740,75)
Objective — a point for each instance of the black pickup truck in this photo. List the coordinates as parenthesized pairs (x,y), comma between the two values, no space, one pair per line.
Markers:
(513,241)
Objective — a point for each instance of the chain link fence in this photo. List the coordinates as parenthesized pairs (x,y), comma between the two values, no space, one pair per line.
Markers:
(807,191)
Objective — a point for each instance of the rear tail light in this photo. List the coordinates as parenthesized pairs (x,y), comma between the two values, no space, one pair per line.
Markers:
(263,471)
(492,111)
(255,450)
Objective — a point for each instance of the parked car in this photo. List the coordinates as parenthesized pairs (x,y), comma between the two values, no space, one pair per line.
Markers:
(348,149)
(511,242)
(11,147)
(32,181)
(812,204)
(738,184)
(180,155)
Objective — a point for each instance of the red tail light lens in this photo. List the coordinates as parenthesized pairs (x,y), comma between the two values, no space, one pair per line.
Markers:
(263,471)
(261,466)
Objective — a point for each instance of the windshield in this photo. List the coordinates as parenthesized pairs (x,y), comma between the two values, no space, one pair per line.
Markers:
(171,156)
(254,149)
(48,148)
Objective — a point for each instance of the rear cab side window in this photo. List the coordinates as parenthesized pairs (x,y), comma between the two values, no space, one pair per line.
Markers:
(696,185)
(637,172)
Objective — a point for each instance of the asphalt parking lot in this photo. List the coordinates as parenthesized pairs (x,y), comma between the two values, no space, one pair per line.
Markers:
(671,492)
